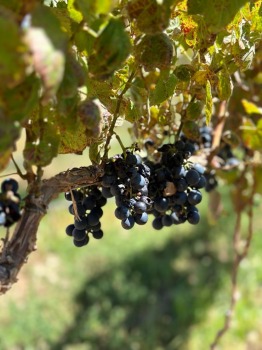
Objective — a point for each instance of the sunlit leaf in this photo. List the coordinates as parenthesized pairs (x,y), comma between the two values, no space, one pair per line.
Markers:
(250,107)
(224,86)
(209,102)
(252,134)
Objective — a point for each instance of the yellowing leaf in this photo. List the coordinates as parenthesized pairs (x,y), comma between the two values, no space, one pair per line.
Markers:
(209,102)
(225,86)
(250,107)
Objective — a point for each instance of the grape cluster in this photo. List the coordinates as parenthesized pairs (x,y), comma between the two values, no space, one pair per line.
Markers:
(168,189)
(9,203)
(87,210)
(225,155)
(174,186)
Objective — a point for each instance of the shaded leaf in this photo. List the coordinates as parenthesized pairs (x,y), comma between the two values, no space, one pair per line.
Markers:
(164,88)
(257,179)
(12,64)
(73,142)
(111,49)
(191,130)
(217,13)
(40,150)
(194,110)
(150,15)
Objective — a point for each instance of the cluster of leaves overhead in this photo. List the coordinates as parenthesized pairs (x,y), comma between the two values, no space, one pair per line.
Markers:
(64,64)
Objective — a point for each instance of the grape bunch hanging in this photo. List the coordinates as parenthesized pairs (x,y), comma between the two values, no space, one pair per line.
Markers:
(9,203)
(168,190)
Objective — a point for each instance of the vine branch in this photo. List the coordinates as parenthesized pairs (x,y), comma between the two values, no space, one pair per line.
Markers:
(238,258)
(16,250)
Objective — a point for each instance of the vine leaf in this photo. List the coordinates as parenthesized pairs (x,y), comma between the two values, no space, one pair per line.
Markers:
(12,63)
(257,179)
(250,107)
(164,88)
(46,42)
(111,49)
(252,134)
(225,86)
(224,11)
(40,150)
(209,102)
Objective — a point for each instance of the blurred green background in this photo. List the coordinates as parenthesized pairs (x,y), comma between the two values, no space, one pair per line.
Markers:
(138,289)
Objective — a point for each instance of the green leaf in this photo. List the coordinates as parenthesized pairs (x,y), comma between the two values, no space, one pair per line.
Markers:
(191,130)
(12,65)
(73,142)
(208,102)
(111,49)
(46,41)
(225,86)
(252,134)
(19,101)
(41,149)
(9,133)
(194,110)
(94,7)
(94,152)
(151,16)
(164,89)
(217,13)
(250,107)
(74,13)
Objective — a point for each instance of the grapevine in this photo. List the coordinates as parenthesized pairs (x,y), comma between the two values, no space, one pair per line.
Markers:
(187,83)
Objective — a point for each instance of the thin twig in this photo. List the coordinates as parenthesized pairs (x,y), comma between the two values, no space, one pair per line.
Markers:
(235,270)
(116,115)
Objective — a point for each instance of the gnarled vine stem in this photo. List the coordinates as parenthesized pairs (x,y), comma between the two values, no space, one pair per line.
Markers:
(16,250)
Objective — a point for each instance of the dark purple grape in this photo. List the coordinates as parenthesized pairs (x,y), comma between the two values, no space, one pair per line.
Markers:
(69,229)
(192,177)
(193,217)
(194,197)
(92,219)
(82,242)
(167,220)
(81,224)
(9,185)
(201,183)
(179,198)
(106,192)
(141,219)
(161,204)
(181,184)
(199,168)
(157,223)
(97,211)
(98,234)
(78,235)
(100,202)
(89,202)
(128,223)
(140,207)
(122,213)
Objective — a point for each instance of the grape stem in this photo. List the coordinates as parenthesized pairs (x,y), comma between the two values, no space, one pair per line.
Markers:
(116,115)
(120,143)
